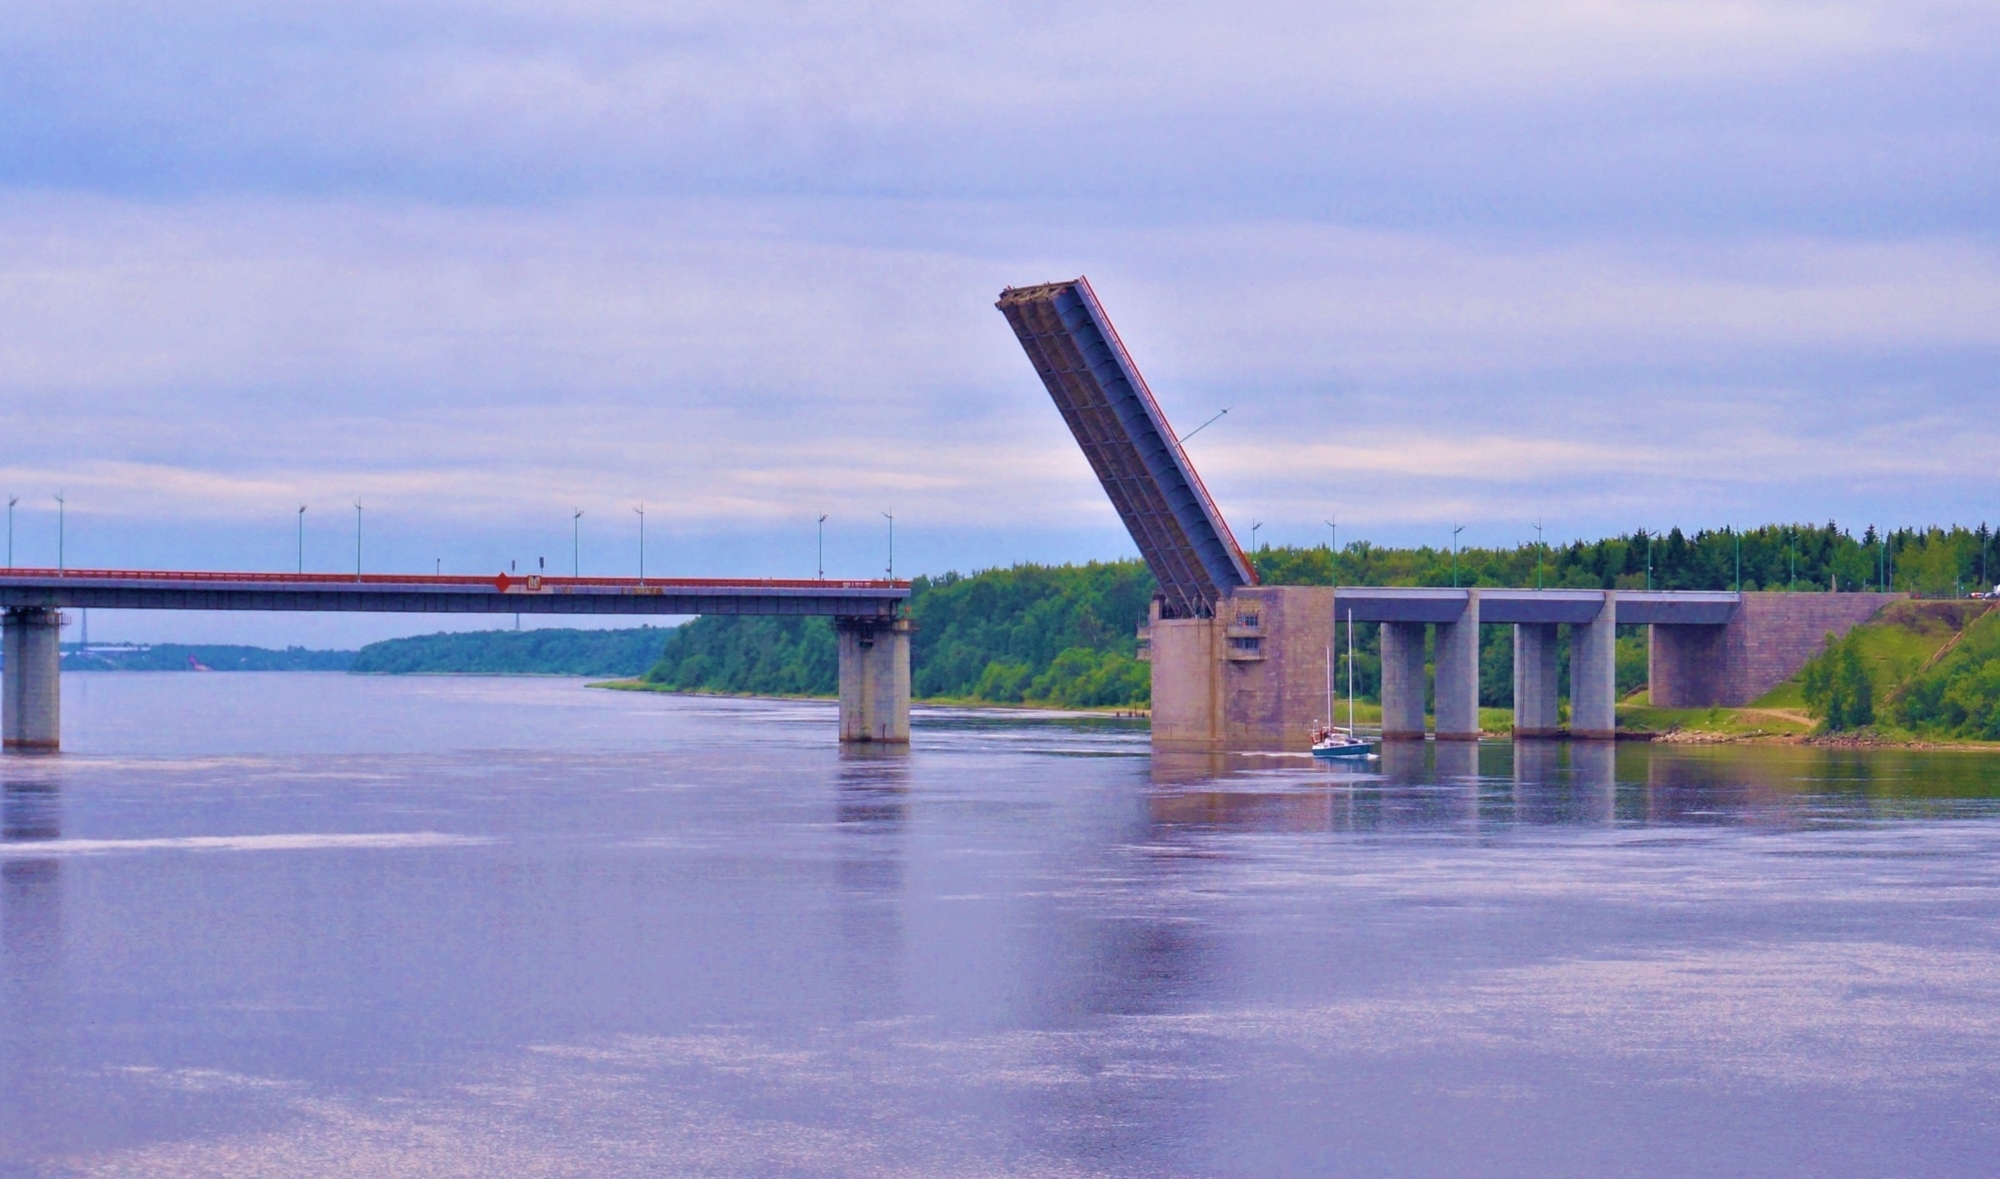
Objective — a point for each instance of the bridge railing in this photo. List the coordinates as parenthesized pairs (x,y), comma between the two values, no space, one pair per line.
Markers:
(501,581)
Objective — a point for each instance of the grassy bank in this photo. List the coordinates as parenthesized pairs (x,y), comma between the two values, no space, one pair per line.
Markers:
(1921,673)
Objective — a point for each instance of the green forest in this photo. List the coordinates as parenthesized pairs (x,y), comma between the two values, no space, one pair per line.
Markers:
(549,651)
(1932,562)
(1062,635)
(200,657)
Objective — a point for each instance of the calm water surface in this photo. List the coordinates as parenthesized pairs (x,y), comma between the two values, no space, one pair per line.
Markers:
(331,925)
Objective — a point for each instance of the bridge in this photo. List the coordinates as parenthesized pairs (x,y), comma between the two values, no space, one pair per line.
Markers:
(1238,665)
(868,618)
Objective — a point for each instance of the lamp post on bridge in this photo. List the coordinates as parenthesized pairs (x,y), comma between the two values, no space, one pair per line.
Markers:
(1538,554)
(822,547)
(61,565)
(357,540)
(576,543)
(1455,530)
(641,509)
(891,517)
(14,499)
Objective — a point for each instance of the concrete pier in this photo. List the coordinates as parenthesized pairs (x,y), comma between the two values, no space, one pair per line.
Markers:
(1593,675)
(874,680)
(31,696)
(1535,680)
(1457,688)
(1402,681)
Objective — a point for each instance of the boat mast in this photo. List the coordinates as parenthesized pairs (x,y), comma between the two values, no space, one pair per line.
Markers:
(1329,685)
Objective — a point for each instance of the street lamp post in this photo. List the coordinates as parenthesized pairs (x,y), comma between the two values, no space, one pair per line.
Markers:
(1254,526)
(1455,530)
(302,538)
(576,543)
(822,547)
(1333,551)
(641,509)
(11,501)
(1538,554)
(357,540)
(891,517)
(1649,560)
(61,565)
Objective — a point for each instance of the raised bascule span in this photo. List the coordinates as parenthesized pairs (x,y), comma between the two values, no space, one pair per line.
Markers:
(1238,665)
(1126,439)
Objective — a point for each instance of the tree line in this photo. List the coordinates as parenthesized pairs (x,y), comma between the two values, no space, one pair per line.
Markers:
(1932,562)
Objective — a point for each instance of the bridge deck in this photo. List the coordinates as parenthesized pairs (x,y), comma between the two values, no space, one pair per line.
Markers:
(129,589)
(1634,607)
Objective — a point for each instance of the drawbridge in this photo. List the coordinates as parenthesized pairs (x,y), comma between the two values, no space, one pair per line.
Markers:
(1135,453)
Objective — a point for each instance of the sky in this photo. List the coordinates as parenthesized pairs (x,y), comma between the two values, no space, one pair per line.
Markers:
(478,266)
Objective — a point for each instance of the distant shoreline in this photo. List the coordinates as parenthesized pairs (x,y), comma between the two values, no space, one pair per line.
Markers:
(1124,712)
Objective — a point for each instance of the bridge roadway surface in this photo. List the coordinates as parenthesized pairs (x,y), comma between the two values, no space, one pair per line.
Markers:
(127,589)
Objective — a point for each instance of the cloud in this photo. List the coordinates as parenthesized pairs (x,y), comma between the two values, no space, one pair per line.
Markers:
(479,264)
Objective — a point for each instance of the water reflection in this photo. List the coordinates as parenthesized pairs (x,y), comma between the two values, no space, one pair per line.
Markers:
(31,917)
(871,813)
(30,886)
(1494,786)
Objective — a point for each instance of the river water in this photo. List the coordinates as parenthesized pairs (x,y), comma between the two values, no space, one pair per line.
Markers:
(265,924)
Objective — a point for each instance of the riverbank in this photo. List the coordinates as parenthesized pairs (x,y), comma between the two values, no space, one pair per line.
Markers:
(1762,725)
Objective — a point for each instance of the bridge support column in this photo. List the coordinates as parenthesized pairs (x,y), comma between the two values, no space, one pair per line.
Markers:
(1458,674)
(1535,673)
(874,680)
(1593,675)
(31,697)
(1402,681)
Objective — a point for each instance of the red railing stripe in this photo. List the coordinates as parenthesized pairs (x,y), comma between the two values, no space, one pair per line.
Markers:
(445,581)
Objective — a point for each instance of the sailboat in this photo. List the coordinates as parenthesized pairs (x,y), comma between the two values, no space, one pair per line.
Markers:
(1329,741)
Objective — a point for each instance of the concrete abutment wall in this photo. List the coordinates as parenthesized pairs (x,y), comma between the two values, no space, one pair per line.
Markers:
(1765,642)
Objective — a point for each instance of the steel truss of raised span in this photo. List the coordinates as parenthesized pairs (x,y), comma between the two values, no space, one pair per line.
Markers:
(388,593)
